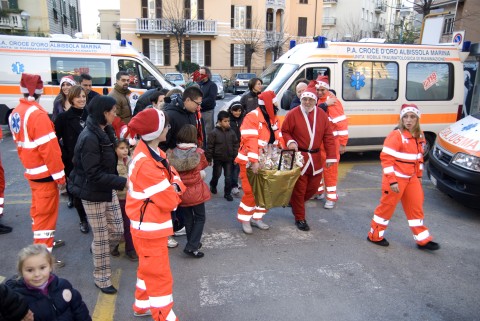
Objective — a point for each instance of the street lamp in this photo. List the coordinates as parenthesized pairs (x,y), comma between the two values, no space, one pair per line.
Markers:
(25,17)
(404,12)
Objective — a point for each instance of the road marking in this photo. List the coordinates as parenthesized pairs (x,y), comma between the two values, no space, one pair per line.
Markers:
(344,169)
(105,307)
(244,287)
(2,278)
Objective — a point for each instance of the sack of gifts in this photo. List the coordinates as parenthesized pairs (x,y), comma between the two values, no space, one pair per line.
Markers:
(276,178)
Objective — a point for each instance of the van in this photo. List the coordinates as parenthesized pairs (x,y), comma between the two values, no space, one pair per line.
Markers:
(53,58)
(454,165)
(373,80)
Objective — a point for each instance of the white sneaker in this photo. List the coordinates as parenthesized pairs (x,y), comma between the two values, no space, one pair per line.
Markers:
(260,224)
(247,228)
(318,196)
(235,191)
(180,232)
(171,242)
(144,314)
(329,204)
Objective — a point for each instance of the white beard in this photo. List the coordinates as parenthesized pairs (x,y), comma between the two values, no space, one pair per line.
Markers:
(307,110)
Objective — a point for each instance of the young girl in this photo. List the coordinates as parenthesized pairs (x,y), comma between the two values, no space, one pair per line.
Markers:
(48,296)
(123,162)
(190,161)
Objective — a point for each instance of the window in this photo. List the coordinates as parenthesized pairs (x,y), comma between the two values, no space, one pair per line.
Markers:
(302,27)
(194,9)
(304,1)
(152,9)
(73,17)
(99,69)
(198,52)
(429,81)
(55,11)
(237,55)
(64,10)
(448,25)
(241,17)
(156,51)
(370,80)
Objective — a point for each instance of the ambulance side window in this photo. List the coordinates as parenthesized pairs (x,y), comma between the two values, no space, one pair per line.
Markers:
(370,80)
(99,69)
(429,81)
(131,67)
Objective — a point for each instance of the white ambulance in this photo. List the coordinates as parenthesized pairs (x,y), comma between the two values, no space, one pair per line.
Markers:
(53,58)
(372,81)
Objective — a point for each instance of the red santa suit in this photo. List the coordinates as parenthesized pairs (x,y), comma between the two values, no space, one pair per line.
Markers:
(154,190)
(38,150)
(309,132)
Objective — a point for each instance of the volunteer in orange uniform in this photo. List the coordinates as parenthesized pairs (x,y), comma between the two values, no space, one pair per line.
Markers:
(259,128)
(338,121)
(305,129)
(154,190)
(402,163)
(40,154)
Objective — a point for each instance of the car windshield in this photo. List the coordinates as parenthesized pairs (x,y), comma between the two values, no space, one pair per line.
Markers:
(217,78)
(174,77)
(276,75)
(245,76)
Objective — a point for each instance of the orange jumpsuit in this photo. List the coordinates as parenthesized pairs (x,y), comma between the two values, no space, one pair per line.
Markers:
(40,154)
(402,163)
(255,136)
(339,124)
(151,197)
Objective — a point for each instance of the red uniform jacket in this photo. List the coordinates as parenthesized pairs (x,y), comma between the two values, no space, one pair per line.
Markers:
(337,119)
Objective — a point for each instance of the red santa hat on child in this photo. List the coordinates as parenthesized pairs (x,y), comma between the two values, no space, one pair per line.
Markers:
(267,99)
(31,84)
(310,91)
(412,108)
(322,81)
(68,79)
(149,124)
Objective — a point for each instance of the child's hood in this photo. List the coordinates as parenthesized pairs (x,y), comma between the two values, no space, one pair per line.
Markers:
(183,159)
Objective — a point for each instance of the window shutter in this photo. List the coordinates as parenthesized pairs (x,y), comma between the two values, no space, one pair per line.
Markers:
(146,47)
(247,52)
(201,10)
(232,16)
(249,17)
(158,9)
(166,52)
(187,10)
(208,53)
(302,27)
(144,8)
(232,52)
(187,48)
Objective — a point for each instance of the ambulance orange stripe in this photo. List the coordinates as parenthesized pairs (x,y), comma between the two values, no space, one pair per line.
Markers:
(455,149)
(47,90)
(392,119)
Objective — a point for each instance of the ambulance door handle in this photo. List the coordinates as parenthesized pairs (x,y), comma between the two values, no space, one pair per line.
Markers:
(105,90)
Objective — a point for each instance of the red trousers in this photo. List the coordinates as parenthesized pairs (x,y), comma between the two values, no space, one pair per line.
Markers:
(247,208)
(2,187)
(330,174)
(305,187)
(154,279)
(411,196)
(44,212)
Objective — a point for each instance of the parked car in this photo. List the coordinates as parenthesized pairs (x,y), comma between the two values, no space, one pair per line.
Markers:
(217,79)
(454,165)
(176,78)
(240,82)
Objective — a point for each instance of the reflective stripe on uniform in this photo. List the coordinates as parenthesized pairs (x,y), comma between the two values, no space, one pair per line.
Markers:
(417,222)
(406,156)
(338,119)
(43,234)
(388,170)
(58,175)
(147,226)
(422,236)
(36,170)
(377,219)
(160,301)
(246,208)
(149,191)
(171,316)
(244,217)
(141,284)
(142,304)
(252,155)
(249,132)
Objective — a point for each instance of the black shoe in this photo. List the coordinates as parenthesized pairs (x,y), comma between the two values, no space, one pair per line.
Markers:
(382,242)
(5,229)
(431,246)
(213,189)
(108,290)
(70,201)
(58,243)
(302,225)
(115,252)
(84,228)
(229,197)
(196,254)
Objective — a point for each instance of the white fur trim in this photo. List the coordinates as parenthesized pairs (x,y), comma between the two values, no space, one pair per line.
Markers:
(274,100)
(409,109)
(70,81)
(261,102)
(309,95)
(322,84)
(161,125)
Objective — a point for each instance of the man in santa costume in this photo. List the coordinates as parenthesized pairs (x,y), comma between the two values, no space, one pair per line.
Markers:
(304,129)
(34,134)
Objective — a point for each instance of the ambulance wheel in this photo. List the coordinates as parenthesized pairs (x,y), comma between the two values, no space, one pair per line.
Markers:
(429,141)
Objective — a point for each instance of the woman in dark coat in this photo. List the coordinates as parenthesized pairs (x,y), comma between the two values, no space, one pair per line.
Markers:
(94,180)
(68,126)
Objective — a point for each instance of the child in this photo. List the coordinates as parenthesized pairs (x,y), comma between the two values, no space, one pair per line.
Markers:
(48,296)
(190,161)
(236,118)
(222,148)
(123,161)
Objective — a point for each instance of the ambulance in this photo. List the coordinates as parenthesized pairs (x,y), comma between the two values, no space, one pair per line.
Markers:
(373,80)
(454,166)
(53,58)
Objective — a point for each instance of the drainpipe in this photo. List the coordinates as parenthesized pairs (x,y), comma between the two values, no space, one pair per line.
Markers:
(315,20)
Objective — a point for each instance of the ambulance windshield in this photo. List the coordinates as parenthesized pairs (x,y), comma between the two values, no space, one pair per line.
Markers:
(276,75)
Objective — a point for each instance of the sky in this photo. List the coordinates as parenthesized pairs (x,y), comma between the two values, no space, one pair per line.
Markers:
(89,11)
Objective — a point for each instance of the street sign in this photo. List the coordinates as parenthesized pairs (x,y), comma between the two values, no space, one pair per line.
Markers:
(458,37)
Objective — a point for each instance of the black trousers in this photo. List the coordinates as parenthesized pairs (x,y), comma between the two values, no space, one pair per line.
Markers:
(194,219)
(227,172)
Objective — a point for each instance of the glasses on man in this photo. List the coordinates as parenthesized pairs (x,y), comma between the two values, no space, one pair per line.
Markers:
(196,102)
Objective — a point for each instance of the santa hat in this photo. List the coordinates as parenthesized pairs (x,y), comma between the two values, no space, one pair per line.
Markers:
(267,99)
(197,76)
(310,91)
(148,123)
(68,79)
(322,81)
(31,84)
(409,108)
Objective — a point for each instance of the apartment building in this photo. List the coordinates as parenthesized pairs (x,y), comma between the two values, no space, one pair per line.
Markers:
(223,35)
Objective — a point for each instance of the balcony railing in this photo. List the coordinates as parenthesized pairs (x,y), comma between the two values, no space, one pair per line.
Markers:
(330,1)
(329,21)
(273,38)
(378,27)
(165,26)
(12,21)
(380,7)
(278,3)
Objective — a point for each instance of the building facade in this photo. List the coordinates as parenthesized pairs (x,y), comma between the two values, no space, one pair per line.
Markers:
(109,24)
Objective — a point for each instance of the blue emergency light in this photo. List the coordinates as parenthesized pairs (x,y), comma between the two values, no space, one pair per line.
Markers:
(123,43)
(466,46)
(293,43)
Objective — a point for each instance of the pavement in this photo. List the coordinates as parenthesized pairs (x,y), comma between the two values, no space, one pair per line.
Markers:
(328,273)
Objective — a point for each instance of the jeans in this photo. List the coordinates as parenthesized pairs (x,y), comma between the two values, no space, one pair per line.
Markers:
(194,218)
(227,172)
(235,173)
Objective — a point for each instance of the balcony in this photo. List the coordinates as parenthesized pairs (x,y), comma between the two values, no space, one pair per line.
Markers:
(330,1)
(273,38)
(329,21)
(165,26)
(378,27)
(275,3)
(380,7)
(12,21)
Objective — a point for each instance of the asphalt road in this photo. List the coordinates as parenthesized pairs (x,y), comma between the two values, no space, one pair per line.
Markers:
(328,273)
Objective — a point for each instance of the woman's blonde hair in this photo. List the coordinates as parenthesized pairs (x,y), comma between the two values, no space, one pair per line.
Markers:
(32,250)
(416,130)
